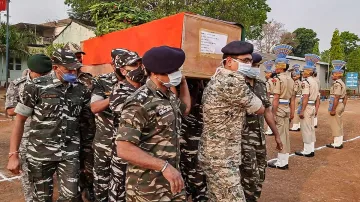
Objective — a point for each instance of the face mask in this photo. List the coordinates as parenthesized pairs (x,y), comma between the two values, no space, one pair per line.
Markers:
(137,75)
(71,78)
(175,79)
(244,69)
(254,72)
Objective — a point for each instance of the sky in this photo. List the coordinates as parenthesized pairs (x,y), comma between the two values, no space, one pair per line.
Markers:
(323,16)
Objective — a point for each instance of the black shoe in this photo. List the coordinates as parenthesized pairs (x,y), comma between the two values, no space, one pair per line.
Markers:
(295,130)
(272,165)
(334,147)
(312,154)
(272,134)
(315,126)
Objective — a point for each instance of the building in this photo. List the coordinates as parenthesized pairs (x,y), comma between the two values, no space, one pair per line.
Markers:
(75,32)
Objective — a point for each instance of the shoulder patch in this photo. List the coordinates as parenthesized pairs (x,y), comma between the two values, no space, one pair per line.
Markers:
(140,95)
(302,85)
(19,80)
(41,79)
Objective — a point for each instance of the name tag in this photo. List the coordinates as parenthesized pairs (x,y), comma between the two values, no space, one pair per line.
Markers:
(49,96)
(164,109)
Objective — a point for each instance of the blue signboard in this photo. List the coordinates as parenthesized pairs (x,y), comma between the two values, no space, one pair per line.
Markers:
(352,79)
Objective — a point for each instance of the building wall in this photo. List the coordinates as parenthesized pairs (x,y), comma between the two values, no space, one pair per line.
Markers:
(74,33)
(14,74)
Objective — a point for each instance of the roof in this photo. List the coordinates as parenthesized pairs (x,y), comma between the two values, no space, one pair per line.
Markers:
(303,59)
(37,27)
(59,23)
(268,56)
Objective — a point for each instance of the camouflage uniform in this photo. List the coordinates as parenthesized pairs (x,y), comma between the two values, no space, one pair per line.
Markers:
(105,131)
(87,132)
(118,96)
(253,147)
(151,120)
(14,94)
(192,125)
(226,99)
(54,138)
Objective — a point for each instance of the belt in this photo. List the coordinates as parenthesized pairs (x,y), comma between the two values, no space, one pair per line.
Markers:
(271,96)
(298,95)
(341,100)
(311,102)
(284,102)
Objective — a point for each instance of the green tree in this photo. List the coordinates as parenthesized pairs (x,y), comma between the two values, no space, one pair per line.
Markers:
(18,41)
(336,50)
(349,42)
(289,39)
(353,61)
(325,56)
(306,39)
(316,49)
(251,13)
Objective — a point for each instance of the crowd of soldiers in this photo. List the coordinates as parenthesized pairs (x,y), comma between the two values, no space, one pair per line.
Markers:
(144,132)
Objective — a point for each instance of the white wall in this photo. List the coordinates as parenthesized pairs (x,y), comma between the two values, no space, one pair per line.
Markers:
(14,74)
(74,33)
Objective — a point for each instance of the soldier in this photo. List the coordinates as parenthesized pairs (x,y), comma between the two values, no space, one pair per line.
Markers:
(297,91)
(105,130)
(148,136)
(226,100)
(253,145)
(87,131)
(133,75)
(55,103)
(283,93)
(192,125)
(39,65)
(306,111)
(269,86)
(338,100)
(317,103)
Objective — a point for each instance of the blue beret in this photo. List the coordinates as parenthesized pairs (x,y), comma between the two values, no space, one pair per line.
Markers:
(256,57)
(163,59)
(238,48)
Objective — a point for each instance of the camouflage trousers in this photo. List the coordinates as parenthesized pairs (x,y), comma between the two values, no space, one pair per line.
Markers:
(41,177)
(102,160)
(86,179)
(117,179)
(253,170)
(194,177)
(223,183)
(26,186)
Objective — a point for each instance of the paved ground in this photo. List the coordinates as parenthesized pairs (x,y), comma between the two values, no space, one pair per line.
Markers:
(332,176)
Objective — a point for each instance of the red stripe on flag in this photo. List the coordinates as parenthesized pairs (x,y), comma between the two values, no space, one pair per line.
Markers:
(3,5)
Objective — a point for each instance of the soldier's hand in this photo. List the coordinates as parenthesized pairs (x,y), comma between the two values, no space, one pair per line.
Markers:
(333,113)
(279,144)
(291,116)
(301,115)
(175,179)
(14,164)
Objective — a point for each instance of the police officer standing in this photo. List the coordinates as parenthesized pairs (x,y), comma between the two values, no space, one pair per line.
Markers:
(296,74)
(283,93)
(253,145)
(338,100)
(269,86)
(132,75)
(105,130)
(54,102)
(148,136)
(38,65)
(309,92)
(317,103)
(226,100)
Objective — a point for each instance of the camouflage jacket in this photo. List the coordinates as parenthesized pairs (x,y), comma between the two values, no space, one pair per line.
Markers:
(226,100)
(15,94)
(105,126)
(253,132)
(87,119)
(151,120)
(121,91)
(192,127)
(55,109)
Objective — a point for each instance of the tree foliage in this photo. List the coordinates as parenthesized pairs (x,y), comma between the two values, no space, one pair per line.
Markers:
(349,42)
(306,39)
(316,49)
(353,61)
(336,50)
(289,39)
(110,17)
(270,36)
(251,13)
(325,56)
(18,41)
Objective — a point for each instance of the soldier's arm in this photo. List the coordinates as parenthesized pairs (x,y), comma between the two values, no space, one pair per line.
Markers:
(337,93)
(185,96)
(317,105)
(292,105)
(276,99)
(12,97)
(345,100)
(98,102)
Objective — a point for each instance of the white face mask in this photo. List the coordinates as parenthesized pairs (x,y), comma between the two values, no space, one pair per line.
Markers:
(244,68)
(174,79)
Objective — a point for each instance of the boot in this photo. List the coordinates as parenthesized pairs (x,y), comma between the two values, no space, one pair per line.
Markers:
(295,127)
(307,152)
(280,162)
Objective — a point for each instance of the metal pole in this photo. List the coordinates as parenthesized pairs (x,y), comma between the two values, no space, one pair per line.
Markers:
(7,43)
(328,79)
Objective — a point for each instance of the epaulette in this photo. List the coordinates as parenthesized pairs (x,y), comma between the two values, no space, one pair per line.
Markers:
(339,83)
(42,79)
(19,80)
(307,81)
(104,76)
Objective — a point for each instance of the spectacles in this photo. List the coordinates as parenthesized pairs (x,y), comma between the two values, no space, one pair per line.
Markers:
(245,60)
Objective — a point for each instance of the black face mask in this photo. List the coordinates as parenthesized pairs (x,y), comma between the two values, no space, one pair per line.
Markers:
(137,75)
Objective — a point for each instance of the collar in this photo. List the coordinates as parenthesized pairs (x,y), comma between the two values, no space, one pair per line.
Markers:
(155,90)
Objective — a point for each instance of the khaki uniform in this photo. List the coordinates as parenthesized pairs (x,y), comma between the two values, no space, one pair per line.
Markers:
(309,87)
(297,92)
(337,89)
(284,86)
(269,89)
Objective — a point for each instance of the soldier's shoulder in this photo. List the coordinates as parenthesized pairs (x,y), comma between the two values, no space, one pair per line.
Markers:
(260,81)
(42,80)
(20,80)
(86,75)
(105,76)
(140,96)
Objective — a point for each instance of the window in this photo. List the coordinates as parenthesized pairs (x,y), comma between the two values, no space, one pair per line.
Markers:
(11,63)
(17,64)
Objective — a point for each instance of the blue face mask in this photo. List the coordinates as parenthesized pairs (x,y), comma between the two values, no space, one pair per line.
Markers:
(254,72)
(71,78)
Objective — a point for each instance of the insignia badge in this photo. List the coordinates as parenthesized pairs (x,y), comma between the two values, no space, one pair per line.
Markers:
(164,109)
(49,96)
(302,85)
